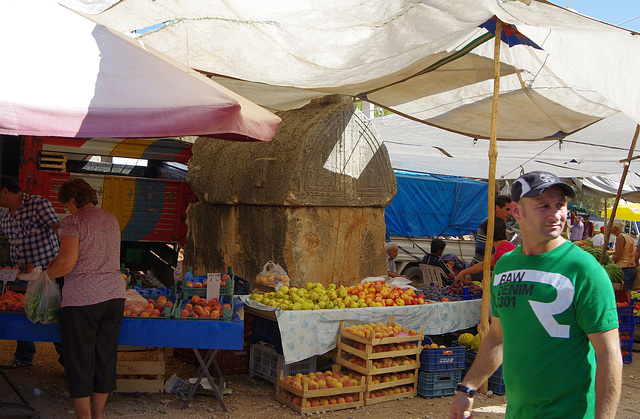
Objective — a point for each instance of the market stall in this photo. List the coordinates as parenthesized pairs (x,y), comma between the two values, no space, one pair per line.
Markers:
(306,333)
(210,335)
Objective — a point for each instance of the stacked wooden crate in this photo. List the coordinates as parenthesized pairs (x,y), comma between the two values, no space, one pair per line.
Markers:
(389,364)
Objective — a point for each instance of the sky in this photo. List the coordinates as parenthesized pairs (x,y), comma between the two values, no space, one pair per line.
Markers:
(610,11)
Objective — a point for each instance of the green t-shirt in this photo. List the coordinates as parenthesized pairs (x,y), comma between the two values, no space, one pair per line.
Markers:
(547,305)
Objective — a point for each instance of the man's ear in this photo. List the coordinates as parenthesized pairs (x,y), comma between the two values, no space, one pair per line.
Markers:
(515,210)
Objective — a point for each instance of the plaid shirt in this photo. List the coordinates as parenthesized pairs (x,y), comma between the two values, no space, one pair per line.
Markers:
(31,238)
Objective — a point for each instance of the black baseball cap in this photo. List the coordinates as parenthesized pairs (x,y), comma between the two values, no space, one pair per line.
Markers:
(535,183)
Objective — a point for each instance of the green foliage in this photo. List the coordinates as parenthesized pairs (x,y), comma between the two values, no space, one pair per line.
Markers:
(377,112)
(591,204)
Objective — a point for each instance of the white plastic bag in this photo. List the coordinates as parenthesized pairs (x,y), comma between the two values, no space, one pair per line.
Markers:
(272,272)
(43,299)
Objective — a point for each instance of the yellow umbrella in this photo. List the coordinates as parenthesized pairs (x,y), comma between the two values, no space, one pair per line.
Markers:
(630,212)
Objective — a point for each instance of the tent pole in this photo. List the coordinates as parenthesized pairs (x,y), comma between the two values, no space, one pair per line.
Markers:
(483,328)
(625,170)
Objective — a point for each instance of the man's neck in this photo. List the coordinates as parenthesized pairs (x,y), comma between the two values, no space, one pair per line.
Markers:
(15,204)
(533,249)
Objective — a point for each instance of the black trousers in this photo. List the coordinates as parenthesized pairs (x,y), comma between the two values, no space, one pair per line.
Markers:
(90,346)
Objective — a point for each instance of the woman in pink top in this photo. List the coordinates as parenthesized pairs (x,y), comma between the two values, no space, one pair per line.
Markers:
(92,298)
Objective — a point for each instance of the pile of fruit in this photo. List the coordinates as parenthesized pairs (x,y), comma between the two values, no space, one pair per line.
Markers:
(379,330)
(438,294)
(457,288)
(201,281)
(400,346)
(12,301)
(391,391)
(613,270)
(321,401)
(317,297)
(201,308)
(154,308)
(469,341)
(320,380)
(383,362)
(635,295)
(387,378)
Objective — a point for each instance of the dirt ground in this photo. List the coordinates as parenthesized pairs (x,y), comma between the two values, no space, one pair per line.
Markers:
(45,388)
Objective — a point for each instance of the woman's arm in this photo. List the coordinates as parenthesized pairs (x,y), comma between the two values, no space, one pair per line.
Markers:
(619,249)
(66,259)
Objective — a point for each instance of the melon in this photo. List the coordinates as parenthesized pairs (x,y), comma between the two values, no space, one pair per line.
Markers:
(615,272)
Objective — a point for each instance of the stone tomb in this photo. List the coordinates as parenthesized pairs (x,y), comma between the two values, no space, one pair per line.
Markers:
(311,200)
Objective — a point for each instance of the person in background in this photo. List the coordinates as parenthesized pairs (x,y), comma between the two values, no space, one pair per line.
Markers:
(30,223)
(589,229)
(454,263)
(92,299)
(502,214)
(434,259)
(577,229)
(392,254)
(502,247)
(550,319)
(625,253)
(598,239)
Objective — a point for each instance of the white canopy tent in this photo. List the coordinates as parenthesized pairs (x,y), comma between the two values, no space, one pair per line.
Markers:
(429,60)
(593,153)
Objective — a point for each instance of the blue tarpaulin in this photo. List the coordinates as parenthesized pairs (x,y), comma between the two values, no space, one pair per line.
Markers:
(432,205)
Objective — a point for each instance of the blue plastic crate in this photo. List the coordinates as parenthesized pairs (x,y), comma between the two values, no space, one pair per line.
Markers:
(626,343)
(496,383)
(627,327)
(636,319)
(625,314)
(627,358)
(438,384)
(266,332)
(227,312)
(441,359)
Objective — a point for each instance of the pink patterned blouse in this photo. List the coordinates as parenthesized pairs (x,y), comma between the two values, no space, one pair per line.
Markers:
(96,277)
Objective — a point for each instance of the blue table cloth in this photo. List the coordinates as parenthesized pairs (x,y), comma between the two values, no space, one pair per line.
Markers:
(200,334)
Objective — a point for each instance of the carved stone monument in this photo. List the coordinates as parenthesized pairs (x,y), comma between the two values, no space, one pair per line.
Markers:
(311,200)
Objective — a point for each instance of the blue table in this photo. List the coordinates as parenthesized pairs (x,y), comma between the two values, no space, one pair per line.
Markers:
(196,334)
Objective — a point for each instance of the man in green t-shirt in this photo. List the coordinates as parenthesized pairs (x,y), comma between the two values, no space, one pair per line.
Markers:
(553,313)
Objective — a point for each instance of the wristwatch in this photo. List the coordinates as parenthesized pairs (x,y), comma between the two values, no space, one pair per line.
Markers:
(464,389)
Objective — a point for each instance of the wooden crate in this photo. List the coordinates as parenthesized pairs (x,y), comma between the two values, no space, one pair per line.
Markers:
(368,369)
(369,401)
(140,376)
(305,395)
(411,381)
(380,341)
(53,161)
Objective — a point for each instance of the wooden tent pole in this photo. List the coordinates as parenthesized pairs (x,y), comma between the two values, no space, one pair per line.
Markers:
(483,328)
(625,170)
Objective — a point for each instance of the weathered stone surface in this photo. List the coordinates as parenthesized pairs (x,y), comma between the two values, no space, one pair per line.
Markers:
(339,245)
(312,200)
(323,154)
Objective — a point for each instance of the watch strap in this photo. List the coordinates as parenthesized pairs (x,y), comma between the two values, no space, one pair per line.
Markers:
(464,389)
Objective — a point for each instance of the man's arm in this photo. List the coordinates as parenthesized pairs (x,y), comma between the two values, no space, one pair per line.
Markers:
(487,361)
(608,372)
(473,269)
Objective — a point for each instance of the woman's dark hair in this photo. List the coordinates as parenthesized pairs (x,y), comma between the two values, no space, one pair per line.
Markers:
(79,190)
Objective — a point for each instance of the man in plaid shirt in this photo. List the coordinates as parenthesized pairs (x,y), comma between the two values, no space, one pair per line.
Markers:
(29,222)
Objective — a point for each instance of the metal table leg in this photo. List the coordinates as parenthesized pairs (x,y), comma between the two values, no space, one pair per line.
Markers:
(19,410)
(203,369)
